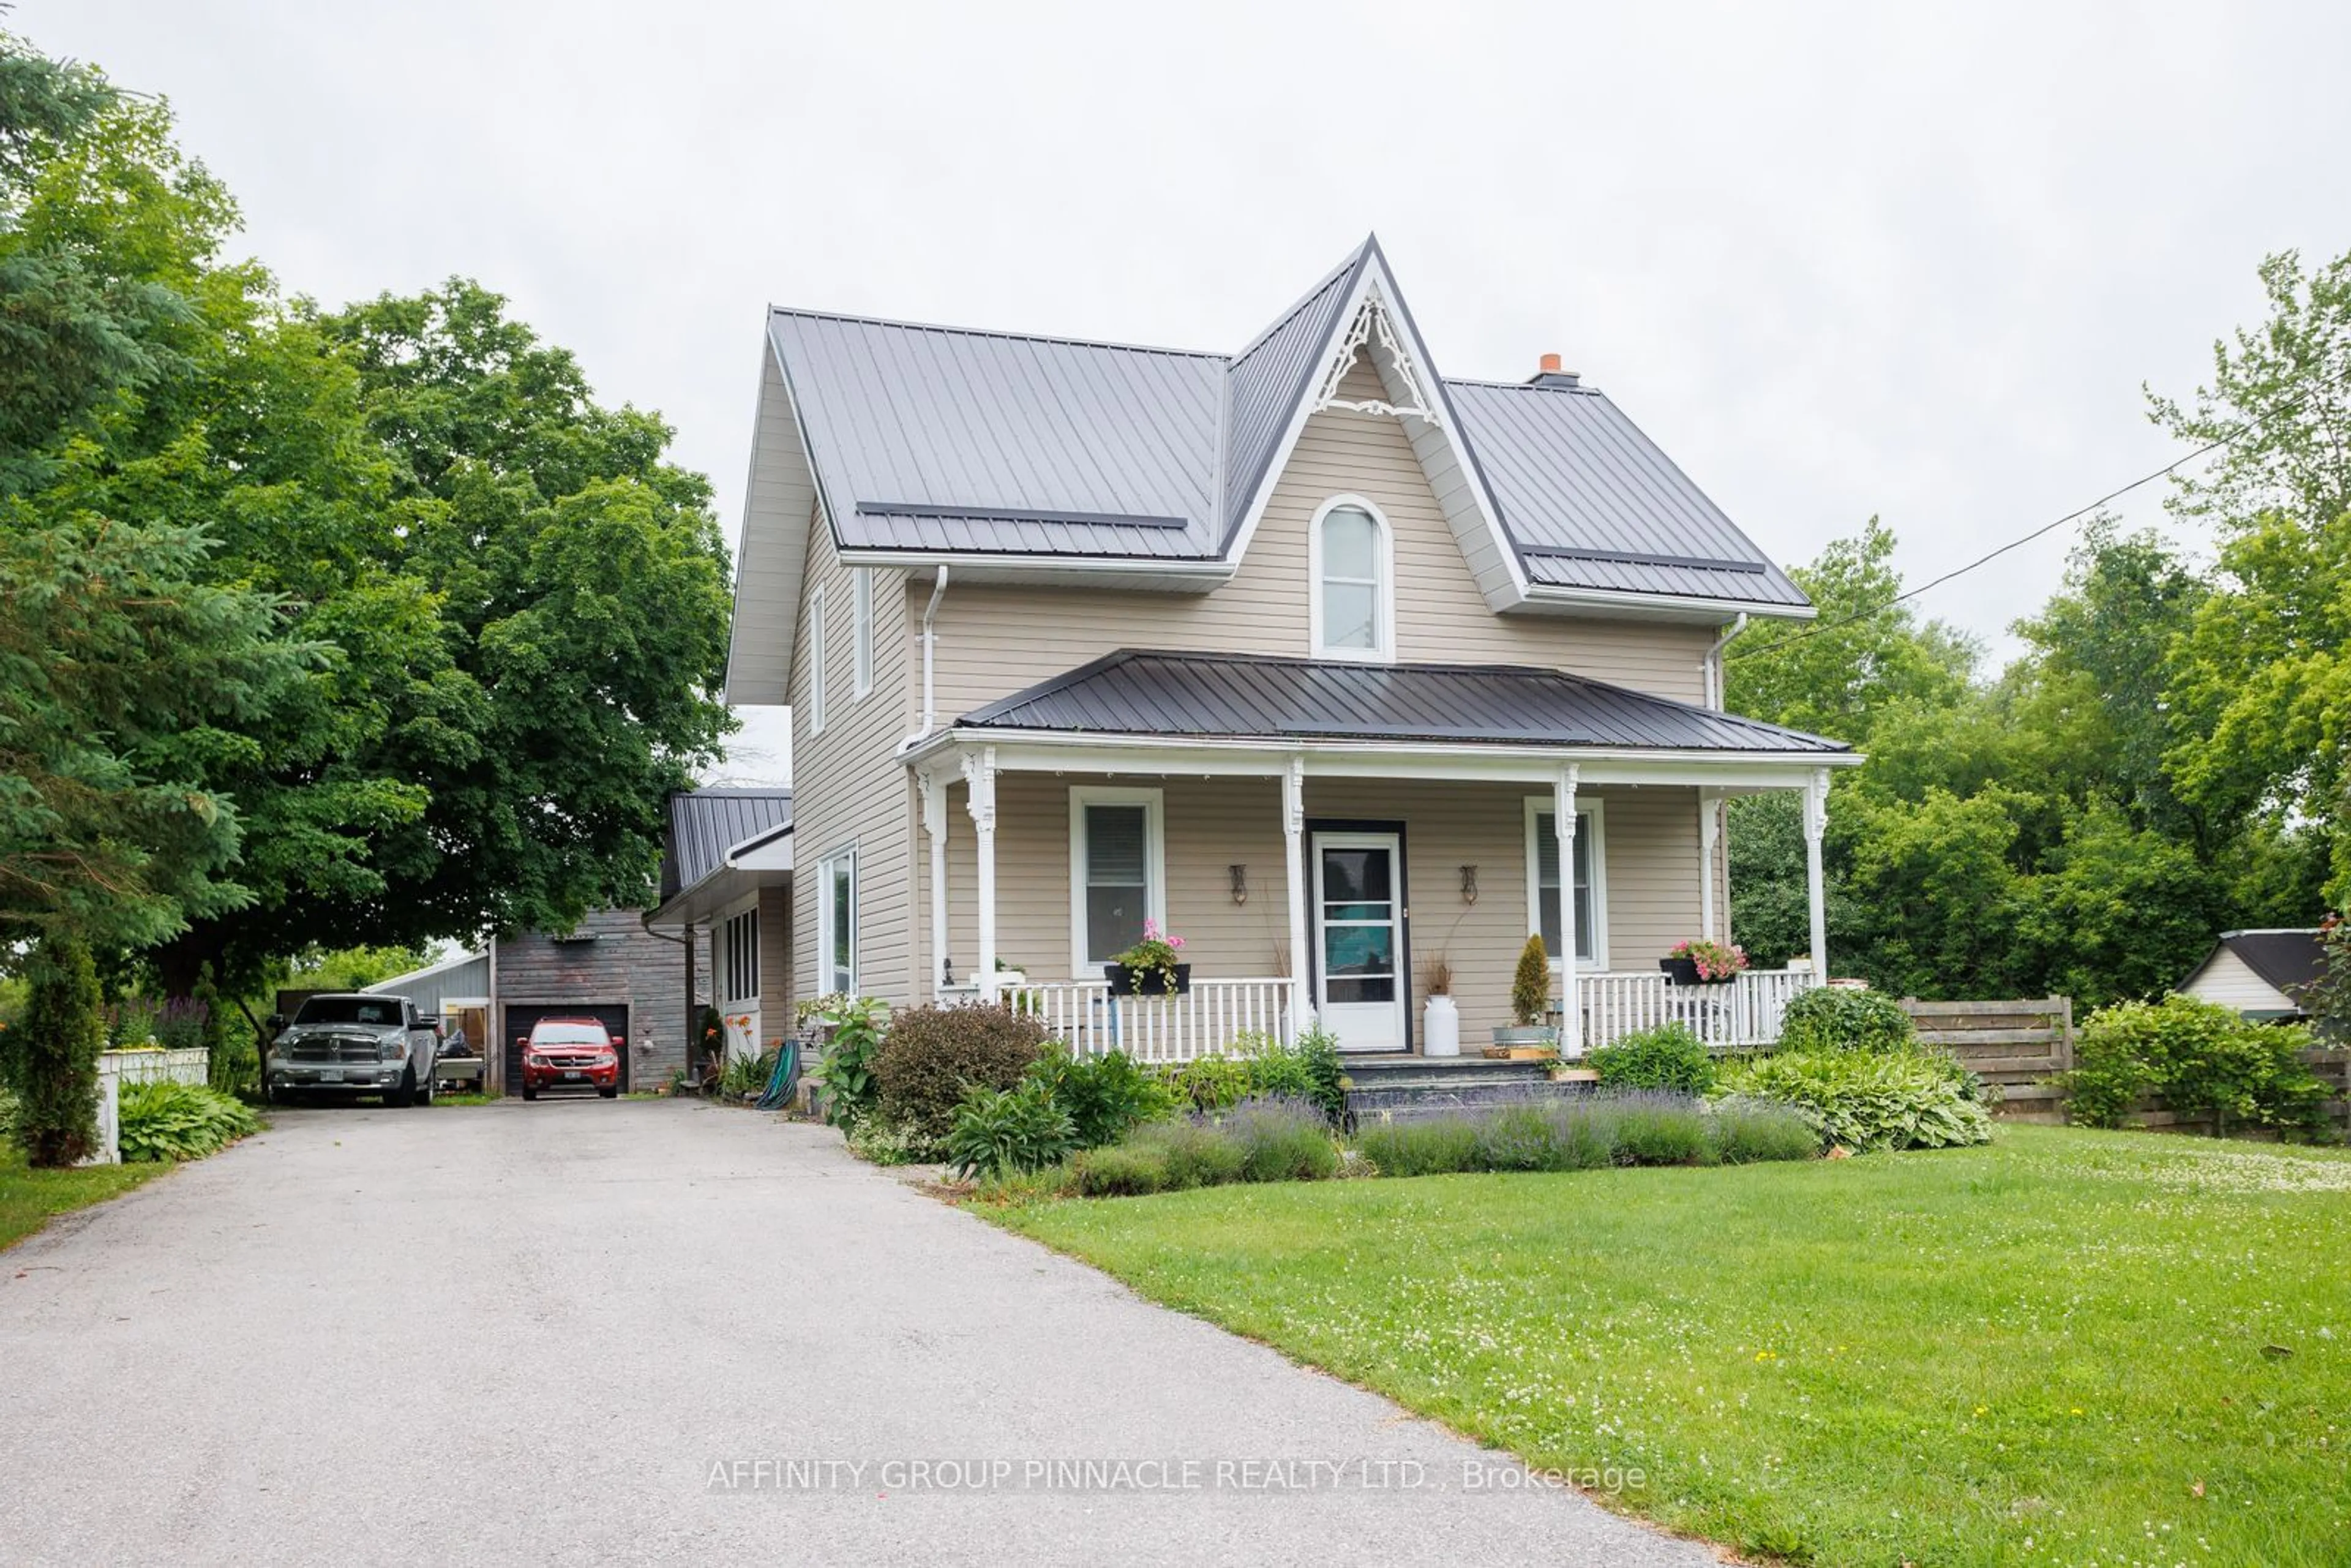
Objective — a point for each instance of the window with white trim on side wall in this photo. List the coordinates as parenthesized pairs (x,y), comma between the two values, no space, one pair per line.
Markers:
(739,962)
(1118,872)
(816,662)
(860,606)
(1590,879)
(1351,565)
(836,922)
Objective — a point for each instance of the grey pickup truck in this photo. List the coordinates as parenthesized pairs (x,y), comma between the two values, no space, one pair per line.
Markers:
(356,1044)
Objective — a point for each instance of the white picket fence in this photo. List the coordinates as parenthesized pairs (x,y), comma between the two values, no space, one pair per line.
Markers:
(117,1068)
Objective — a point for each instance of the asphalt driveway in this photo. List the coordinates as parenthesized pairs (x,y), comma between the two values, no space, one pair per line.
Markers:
(648,1332)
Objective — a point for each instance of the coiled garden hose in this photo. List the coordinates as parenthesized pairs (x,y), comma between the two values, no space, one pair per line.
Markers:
(784,1080)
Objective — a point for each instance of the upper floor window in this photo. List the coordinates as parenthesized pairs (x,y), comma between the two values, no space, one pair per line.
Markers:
(1352,564)
(816,662)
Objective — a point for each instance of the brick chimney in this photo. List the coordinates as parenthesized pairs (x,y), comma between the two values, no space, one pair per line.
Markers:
(1549,374)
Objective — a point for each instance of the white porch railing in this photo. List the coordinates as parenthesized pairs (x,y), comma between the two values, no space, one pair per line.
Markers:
(1744,1013)
(1200,1022)
(1208,1017)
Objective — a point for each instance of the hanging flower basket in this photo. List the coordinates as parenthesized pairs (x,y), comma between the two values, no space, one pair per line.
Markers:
(1702,963)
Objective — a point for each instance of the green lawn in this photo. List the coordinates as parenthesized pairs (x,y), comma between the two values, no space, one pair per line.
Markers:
(2068,1347)
(29,1197)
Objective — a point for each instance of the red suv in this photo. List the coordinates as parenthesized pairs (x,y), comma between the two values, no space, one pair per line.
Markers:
(570,1053)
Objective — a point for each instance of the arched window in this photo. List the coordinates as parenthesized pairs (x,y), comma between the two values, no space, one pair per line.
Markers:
(1353,568)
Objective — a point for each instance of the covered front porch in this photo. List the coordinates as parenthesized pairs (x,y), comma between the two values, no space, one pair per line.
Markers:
(1333,883)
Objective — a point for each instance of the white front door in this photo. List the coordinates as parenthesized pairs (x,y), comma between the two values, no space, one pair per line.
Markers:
(1359,982)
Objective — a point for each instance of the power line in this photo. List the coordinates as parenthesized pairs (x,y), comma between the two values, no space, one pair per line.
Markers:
(1818,627)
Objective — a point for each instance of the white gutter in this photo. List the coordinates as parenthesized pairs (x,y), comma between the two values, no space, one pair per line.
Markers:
(1712,664)
(1663,606)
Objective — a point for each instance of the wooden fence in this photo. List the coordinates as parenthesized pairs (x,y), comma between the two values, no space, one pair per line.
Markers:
(2018,1044)
(2013,1045)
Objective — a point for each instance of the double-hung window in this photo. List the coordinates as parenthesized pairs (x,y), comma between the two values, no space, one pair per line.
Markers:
(1117,872)
(816,662)
(861,628)
(1591,881)
(836,922)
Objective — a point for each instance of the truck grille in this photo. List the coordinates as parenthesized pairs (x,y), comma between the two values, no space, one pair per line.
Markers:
(331,1050)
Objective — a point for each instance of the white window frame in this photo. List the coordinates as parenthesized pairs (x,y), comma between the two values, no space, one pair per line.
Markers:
(1083,965)
(861,602)
(816,662)
(1382,651)
(1591,818)
(740,955)
(841,860)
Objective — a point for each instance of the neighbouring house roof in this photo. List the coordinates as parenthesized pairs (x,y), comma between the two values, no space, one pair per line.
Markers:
(2286,959)
(1238,695)
(464,973)
(704,825)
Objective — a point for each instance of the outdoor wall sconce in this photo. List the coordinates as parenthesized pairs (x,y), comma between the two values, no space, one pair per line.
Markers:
(1468,884)
(1240,883)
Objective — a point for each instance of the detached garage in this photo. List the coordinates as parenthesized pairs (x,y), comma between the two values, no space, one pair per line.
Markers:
(2261,974)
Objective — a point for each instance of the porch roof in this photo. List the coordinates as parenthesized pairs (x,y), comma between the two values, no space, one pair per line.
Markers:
(1186,696)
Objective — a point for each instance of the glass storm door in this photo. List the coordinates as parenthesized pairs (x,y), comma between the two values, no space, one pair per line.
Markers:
(1358,936)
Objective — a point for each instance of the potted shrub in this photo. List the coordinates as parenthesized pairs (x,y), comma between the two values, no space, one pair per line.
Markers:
(1530,999)
(1440,1028)
(1150,968)
(1698,962)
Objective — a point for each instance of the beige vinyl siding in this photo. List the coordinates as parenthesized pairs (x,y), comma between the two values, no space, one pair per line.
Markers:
(1651,869)
(847,785)
(994,640)
(776,989)
(2230,981)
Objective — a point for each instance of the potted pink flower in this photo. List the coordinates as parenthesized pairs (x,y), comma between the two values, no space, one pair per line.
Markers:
(1150,967)
(1698,962)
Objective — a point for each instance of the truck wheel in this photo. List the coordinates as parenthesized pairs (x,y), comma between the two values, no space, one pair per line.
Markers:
(405,1094)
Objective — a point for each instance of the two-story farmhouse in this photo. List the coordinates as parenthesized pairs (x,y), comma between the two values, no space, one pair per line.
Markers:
(1332,667)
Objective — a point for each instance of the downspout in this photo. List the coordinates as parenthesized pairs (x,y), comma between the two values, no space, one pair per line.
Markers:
(693,1013)
(1712,663)
(930,645)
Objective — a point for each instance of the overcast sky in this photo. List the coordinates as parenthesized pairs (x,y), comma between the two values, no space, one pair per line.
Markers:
(1904,260)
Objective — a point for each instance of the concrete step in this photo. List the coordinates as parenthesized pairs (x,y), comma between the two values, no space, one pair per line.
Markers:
(1407,1102)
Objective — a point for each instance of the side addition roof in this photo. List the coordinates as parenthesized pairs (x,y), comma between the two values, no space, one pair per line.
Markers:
(1225,696)
(705,824)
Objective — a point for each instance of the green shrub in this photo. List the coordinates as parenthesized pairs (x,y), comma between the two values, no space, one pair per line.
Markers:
(1834,1017)
(55,1059)
(932,1056)
(2201,1059)
(7,1112)
(1215,1082)
(1531,984)
(1197,1154)
(1281,1139)
(877,1140)
(1669,1058)
(1121,1170)
(1660,1130)
(165,1121)
(1746,1131)
(1433,1145)
(746,1077)
(1017,1129)
(1104,1095)
(844,1074)
(1309,1069)
(1915,1099)
(1010,1187)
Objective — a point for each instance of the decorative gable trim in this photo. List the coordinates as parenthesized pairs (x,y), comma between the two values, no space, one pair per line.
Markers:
(1375,314)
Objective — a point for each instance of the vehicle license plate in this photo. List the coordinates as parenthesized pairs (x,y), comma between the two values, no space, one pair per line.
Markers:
(331,1075)
(575,1075)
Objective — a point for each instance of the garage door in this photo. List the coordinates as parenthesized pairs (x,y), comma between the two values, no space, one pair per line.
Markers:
(519,1020)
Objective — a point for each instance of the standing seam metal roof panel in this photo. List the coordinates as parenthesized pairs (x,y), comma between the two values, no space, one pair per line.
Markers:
(704,824)
(1215,696)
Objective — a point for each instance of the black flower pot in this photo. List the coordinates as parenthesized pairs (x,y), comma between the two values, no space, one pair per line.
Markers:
(1684,972)
(1154,983)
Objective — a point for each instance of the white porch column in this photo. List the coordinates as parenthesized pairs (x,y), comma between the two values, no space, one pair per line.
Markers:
(979,774)
(1816,821)
(1709,812)
(1293,844)
(1570,1034)
(934,823)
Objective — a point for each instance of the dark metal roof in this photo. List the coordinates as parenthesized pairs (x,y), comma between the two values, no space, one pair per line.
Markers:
(937,439)
(1213,696)
(704,824)
(2288,960)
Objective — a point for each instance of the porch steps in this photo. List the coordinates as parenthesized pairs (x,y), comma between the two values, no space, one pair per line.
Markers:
(1407,1088)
